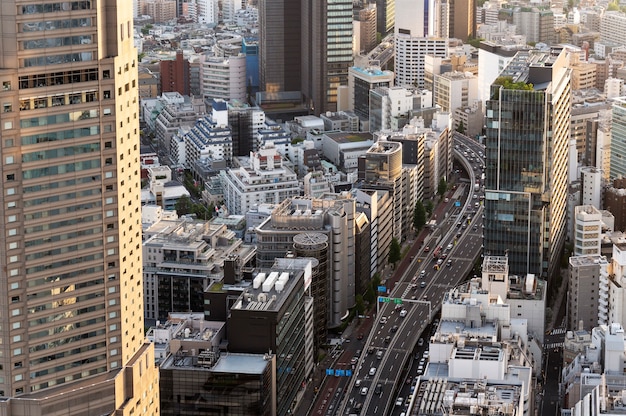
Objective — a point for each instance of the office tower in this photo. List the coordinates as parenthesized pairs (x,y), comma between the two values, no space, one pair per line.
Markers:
(326,51)
(528,124)
(71,304)
(618,139)
(279,45)
(385,16)
(587,230)
(615,202)
(461,17)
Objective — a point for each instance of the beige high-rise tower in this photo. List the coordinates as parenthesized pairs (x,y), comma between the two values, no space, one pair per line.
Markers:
(71,308)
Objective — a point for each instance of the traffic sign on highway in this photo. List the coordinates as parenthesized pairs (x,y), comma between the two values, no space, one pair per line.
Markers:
(397,301)
(384,299)
(457,204)
(382,289)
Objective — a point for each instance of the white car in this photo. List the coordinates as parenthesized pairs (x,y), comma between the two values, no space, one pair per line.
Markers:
(403,313)
(372,371)
(364,391)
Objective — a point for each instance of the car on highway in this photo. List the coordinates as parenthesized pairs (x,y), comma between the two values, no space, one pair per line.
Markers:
(378,389)
(420,342)
(423,273)
(449,263)
(449,247)
(354,360)
(399,401)
(403,313)
(358,383)
(383,320)
(379,354)
(387,339)
(372,372)
(364,391)
(422,284)
(359,337)
(394,328)
(427,249)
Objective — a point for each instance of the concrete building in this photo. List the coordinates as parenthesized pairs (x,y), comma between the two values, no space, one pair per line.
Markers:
(492,59)
(390,108)
(613,28)
(264,179)
(175,75)
(344,149)
(276,314)
(161,189)
(522,191)
(582,113)
(197,376)
(331,218)
(161,11)
(365,26)
(453,90)
(583,297)
(182,257)
(613,291)
(477,339)
(536,24)
(592,186)
(208,11)
(460,16)
(587,231)
(71,303)
(410,52)
(207,138)
(615,202)
(618,139)
(385,16)
(381,168)
(526,295)
(223,78)
(244,121)
(377,206)
(326,51)
(360,82)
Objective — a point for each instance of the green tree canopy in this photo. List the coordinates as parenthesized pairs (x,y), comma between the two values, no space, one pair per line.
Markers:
(442,187)
(184,205)
(419,216)
(395,251)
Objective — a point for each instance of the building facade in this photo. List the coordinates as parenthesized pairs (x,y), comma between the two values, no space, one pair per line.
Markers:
(618,139)
(72,338)
(526,169)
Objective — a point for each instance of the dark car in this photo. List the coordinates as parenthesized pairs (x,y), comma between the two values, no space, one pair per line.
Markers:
(387,339)
(394,328)
(359,337)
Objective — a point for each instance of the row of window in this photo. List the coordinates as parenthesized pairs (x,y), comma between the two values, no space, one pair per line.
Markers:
(57,59)
(64,223)
(61,169)
(64,263)
(65,315)
(58,118)
(61,355)
(69,287)
(56,7)
(57,42)
(60,78)
(55,24)
(61,99)
(64,249)
(60,135)
(44,281)
(61,184)
(61,197)
(60,152)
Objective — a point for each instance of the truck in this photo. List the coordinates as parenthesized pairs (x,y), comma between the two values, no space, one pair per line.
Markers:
(437,252)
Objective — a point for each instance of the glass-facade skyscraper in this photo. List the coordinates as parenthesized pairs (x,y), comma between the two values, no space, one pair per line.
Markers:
(528,119)
(71,307)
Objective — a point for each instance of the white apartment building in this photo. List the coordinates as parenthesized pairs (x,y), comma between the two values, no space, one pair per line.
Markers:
(613,28)
(263,180)
(208,11)
(587,230)
(390,105)
(223,77)
(208,139)
(614,290)
(410,52)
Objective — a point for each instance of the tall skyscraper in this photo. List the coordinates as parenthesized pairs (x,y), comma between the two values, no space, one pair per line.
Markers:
(618,139)
(279,45)
(71,307)
(326,51)
(528,122)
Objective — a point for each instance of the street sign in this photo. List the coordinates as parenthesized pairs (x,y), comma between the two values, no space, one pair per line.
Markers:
(397,301)
(382,289)
(457,204)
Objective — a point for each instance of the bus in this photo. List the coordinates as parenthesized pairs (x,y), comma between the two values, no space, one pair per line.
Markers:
(437,253)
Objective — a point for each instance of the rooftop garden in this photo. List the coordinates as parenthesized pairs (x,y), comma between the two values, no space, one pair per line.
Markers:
(508,84)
